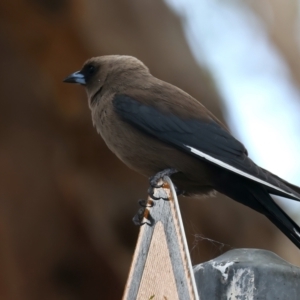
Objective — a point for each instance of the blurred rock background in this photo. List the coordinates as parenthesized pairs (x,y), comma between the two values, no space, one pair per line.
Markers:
(66,202)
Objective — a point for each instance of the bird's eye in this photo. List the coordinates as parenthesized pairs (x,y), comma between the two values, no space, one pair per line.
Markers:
(91,69)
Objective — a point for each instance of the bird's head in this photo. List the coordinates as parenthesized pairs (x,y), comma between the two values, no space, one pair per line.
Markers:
(110,72)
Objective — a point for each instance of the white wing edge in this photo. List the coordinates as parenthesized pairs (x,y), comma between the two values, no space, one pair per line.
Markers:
(235,170)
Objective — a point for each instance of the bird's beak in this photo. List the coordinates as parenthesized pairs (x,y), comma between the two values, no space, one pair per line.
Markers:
(76,77)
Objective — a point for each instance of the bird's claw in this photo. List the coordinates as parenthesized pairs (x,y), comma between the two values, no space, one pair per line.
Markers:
(151,193)
(146,203)
(141,215)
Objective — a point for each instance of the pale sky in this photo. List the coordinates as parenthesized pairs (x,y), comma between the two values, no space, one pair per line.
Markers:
(253,79)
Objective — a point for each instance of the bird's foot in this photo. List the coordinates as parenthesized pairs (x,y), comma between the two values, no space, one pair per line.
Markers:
(156,194)
(139,217)
(146,203)
(154,183)
(152,194)
(154,180)
(143,213)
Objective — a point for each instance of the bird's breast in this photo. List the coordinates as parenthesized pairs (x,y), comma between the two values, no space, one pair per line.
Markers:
(137,150)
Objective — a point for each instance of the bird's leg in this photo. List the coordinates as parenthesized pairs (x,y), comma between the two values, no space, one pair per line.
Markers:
(154,180)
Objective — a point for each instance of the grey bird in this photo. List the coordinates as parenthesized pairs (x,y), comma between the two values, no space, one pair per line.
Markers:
(156,128)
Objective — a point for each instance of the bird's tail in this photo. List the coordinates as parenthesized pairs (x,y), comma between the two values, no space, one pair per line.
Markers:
(277,216)
(258,198)
(289,187)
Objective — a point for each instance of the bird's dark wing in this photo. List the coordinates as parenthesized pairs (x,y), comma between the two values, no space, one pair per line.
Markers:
(204,139)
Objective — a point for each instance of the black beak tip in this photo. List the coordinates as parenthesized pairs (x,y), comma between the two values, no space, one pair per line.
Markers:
(69,79)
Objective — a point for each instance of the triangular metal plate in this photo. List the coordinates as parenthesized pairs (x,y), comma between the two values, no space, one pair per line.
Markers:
(161,266)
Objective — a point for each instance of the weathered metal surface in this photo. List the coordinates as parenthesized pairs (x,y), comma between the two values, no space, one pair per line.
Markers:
(248,274)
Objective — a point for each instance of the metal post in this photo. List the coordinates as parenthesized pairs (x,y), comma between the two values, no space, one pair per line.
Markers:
(248,274)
